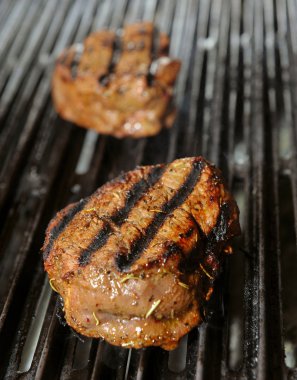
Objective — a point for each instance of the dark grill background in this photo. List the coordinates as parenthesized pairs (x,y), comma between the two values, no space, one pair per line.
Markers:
(237,95)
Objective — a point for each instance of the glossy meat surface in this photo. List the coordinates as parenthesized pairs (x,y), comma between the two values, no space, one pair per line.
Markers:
(119,84)
(135,262)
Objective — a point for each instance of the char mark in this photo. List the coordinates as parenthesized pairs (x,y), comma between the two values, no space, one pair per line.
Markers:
(61,225)
(99,241)
(116,52)
(137,191)
(154,55)
(118,218)
(104,80)
(141,243)
(76,59)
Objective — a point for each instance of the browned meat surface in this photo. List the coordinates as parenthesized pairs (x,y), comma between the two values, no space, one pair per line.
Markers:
(119,84)
(136,261)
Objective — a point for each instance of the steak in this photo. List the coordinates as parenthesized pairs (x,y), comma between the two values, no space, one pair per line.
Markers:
(135,262)
(118,83)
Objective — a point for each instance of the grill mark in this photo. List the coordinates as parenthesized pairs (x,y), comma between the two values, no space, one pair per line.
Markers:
(155,43)
(118,218)
(117,49)
(116,52)
(99,241)
(137,247)
(76,59)
(60,227)
(104,80)
(136,192)
(154,55)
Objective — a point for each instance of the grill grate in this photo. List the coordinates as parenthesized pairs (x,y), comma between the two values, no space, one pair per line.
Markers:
(236,94)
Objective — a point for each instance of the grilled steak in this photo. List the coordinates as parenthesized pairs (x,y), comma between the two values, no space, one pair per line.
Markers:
(136,261)
(119,83)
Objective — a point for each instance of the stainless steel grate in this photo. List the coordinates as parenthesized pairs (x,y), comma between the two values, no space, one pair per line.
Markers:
(237,99)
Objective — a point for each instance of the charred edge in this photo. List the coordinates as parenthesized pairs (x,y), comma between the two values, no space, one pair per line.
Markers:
(60,313)
(154,54)
(99,241)
(75,62)
(136,192)
(219,232)
(60,227)
(137,247)
(217,235)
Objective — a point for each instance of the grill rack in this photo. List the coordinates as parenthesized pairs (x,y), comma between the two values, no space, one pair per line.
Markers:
(236,95)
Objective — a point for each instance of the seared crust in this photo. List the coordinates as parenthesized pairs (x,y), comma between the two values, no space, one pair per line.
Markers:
(117,85)
(135,262)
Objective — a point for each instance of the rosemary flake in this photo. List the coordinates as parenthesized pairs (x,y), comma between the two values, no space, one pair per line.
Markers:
(89,209)
(128,277)
(205,271)
(183,285)
(153,308)
(96,319)
(52,286)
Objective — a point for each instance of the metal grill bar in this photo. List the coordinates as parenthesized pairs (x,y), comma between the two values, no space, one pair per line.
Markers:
(236,96)
(288,28)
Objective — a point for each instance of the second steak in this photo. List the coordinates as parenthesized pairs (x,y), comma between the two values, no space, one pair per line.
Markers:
(119,84)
